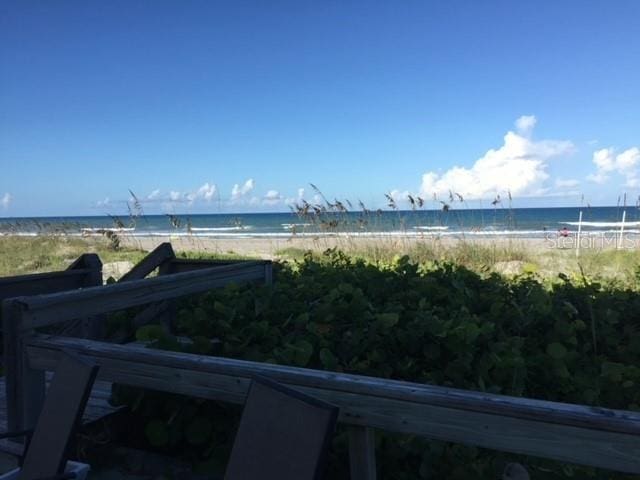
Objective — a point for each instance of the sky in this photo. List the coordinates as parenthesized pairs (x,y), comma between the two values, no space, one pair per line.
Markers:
(205,107)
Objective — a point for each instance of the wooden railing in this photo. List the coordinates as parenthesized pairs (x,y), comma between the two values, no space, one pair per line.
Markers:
(164,259)
(570,433)
(86,271)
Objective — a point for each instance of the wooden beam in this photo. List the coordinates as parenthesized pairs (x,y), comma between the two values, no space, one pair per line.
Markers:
(553,412)
(149,314)
(161,254)
(45,310)
(85,271)
(90,327)
(571,433)
(12,366)
(159,258)
(179,265)
(89,261)
(25,386)
(40,283)
(362,453)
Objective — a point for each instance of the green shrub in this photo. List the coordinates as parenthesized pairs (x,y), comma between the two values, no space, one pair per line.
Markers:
(571,340)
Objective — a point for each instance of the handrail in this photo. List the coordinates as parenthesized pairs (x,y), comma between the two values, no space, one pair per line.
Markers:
(42,310)
(579,434)
(86,271)
(34,277)
(22,315)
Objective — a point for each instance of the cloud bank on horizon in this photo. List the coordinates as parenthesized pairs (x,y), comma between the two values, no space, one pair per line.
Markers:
(519,167)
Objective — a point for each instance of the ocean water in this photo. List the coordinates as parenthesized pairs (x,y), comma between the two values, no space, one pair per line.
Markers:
(521,222)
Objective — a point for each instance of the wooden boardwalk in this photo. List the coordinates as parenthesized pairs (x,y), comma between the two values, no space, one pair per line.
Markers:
(97,407)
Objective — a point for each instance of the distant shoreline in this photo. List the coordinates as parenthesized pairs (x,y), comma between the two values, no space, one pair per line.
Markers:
(269,247)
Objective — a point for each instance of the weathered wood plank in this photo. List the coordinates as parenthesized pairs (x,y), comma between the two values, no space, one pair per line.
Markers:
(42,310)
(89,261)
(179,265)
(362,453)
(562,413)
(25,385)
(83,272)
(97,407)
(148,264)
(597,437)
(90,327)
(159,258)
(150,314)
(40,283)
(12,360)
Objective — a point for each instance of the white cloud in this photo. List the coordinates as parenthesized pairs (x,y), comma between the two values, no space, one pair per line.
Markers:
(519,166)
(626,164)
(239,191)
(206,191)
(629,159)
(5,201)
(567,183)
(291,201)
(399,196)
(525,124)
(154,195)
(598,178)
(103,203)
(604,159)
(272,197)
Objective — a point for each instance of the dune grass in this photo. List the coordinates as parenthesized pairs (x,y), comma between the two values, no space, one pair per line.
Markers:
(45,253)
(509,258)
(21,255)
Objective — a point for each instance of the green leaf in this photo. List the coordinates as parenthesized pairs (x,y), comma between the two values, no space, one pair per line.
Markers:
(387,320)
(149,333)
(303,351)
(328,359)
(302,319)
(472,332)
(157,433)
(613,370)
(556,351)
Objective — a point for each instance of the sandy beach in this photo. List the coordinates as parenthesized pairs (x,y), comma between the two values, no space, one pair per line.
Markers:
(271,247)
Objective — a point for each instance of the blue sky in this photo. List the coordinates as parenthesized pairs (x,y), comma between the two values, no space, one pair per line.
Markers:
(236,106)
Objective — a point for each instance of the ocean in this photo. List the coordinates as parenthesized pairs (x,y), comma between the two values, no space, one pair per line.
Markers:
(521,222)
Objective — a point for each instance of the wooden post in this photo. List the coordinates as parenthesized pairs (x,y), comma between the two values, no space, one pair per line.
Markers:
(154,259)
(578,234)
(268,273)
(25,387)
(159,258)
(624,215)
(170,310)
(362,453)
(90,327)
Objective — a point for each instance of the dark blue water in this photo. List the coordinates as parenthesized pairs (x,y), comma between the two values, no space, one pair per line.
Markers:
(527,222)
